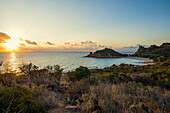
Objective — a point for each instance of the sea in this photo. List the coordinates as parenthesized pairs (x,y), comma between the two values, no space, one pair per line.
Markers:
(67,60)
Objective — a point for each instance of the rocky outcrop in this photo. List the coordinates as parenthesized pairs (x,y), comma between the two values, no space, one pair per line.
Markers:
(106,53)
(154,51)
(140,49)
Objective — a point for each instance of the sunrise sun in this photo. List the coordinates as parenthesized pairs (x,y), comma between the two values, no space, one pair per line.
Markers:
(11,44)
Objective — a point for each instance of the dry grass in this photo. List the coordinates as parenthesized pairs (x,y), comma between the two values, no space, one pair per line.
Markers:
(123,97)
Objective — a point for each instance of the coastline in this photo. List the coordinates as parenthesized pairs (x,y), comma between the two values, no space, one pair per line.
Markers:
(105,56)
(147,61)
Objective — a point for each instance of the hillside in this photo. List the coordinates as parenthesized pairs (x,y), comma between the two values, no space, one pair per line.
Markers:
(154,51)
(106,53)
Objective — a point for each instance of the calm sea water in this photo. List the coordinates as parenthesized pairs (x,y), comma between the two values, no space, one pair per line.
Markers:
(68,61)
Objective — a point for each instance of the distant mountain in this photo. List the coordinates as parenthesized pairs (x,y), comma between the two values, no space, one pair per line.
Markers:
(154,51)
(129,49)
(106,53)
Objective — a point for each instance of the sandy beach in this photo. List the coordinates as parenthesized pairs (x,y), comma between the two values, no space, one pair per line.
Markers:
(145,60)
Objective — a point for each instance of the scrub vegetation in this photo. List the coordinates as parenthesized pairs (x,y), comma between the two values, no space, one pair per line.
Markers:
(116,89)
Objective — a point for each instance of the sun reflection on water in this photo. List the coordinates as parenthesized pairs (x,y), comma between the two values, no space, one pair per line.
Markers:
(13,61)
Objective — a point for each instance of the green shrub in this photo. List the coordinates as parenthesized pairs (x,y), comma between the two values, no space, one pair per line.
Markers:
(72,76)
(82,72)
(161,78)
(115,78)
(124,77)
(143,78)
(18,99)
(160,59)
(160,74)
(92,80)
(109,78)
(165,63)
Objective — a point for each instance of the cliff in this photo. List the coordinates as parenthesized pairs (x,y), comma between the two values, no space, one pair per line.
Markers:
(154,51)
(106,53)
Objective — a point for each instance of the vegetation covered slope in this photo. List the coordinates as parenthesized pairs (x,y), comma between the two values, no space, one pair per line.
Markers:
(154,51)
(106,53)
(115,89)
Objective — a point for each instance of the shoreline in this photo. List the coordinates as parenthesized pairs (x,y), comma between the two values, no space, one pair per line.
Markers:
(105,56)
(147,61)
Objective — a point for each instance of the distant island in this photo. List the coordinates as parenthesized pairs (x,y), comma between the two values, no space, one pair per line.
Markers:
(152,52)
(106,53)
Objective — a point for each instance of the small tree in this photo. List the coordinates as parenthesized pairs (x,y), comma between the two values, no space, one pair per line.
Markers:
(27,68)
(82,72)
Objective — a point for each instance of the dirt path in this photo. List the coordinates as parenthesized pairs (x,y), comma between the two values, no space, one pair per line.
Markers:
(62,107)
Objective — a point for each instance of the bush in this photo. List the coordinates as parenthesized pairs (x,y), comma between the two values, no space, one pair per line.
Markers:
(79,73)
(160,59)
(8,79)
(124,77)
(143,78)
(161,78)
(18,99)
(55,71)
(109,78)
(44,97)
(27,68)
(115,78)
(72,76)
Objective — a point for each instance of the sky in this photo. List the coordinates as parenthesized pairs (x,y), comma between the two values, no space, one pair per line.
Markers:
(83,25)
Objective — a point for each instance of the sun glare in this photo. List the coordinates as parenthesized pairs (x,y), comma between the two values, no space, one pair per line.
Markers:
(11,44)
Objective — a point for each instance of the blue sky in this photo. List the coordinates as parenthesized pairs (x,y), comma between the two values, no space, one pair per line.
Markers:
(116,23)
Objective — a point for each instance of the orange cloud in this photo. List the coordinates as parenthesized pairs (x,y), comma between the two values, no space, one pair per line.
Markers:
(21,39)
(3,37)
(2,49)
(21,44)
(85,46)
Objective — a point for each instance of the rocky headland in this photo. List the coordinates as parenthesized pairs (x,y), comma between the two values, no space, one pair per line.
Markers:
(153,51)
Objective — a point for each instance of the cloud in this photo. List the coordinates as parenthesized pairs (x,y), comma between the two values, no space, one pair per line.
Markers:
(49,43)
(31,42)
(2,48)
(21,39)
(4,37)
(85,46)
(87,42)
(22,44)
(67,43)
